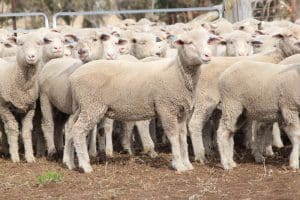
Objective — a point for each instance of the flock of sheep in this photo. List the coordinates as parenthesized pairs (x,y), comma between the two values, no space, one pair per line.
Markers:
(66,84)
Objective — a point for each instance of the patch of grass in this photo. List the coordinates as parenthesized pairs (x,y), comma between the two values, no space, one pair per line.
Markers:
(49,177)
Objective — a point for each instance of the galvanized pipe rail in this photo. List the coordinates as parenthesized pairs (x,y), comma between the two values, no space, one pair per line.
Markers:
(219,9)
(31,14)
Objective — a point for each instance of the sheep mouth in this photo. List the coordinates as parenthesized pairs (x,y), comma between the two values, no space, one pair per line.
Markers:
(206,60)
(31,61)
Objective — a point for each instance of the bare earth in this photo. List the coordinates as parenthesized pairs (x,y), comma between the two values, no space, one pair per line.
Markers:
(144,178)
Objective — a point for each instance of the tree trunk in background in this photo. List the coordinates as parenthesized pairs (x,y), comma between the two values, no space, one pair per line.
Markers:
(237,10)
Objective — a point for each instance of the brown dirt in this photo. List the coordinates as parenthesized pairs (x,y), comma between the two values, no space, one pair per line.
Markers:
(144,178)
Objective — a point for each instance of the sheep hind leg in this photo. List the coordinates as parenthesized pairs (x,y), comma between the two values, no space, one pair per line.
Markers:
(293,131)
(108,130)
(231,110)
(171,129)
(93,142)
(148,145)
(184,145)
(87,119)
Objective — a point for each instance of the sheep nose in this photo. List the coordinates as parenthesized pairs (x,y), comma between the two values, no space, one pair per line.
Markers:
(158,54)
(81,51)
(57,48)
(31,56)
(110,56)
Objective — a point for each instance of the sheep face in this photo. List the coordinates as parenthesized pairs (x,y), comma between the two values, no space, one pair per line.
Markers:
(29,50)
(146,45)
(238,43)
(288,43)
(193,47)
(53,46)
(7,46)
(89,48)
(111,46)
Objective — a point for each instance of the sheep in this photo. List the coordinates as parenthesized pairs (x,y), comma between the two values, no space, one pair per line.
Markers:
(262,92)
(208,97)
(19,92)
(7,44)
(142,89)
(54,84)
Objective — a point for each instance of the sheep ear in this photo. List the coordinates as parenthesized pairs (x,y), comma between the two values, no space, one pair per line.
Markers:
(241,28)
(70,37)
(260,32)
(179,42)
(256,43)
(12,39)
(213,40)
(104,37)
(46,40)
(158,39)
(122,42)
(133,40)
(278,36)
(115,33)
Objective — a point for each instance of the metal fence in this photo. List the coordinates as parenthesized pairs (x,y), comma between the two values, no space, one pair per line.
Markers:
(23,14)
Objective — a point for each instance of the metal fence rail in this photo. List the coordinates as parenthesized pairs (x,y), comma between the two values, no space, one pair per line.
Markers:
(23,14)
(219,9)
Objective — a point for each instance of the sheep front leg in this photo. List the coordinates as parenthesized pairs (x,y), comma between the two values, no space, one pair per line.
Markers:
(277,142)
(127,136)
(12,130)
(27,135)
(68,156)
(48,124)
(148,145)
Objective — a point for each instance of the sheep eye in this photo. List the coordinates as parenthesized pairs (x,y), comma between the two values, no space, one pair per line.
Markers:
(231,42)
(20,43)
(7,45)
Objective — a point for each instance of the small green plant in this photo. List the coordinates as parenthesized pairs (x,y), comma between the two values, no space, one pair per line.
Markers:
(49,177)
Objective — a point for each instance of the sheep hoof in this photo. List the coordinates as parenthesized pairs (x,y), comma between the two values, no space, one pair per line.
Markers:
(70,166)
(179,167)
(233,164)
(86,169)
(15,159)
(102,157)
(188,166)
(259,159)
(30,158)
(151,153)
(200,159)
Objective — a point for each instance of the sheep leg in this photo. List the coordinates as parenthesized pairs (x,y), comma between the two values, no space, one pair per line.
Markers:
(59,134)
(152,128)
(27,135)
(48,124)
(184,144)
(293,131)
(148,145)
(127,136)
(257,142)
(108,129)
(93,142)
(101,145)
(68,156)
(231,110)
(12,130)
(87,119)
(171,129)
(196,124)
(277,142)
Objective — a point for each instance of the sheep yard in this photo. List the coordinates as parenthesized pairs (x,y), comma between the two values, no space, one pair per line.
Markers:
(141,177)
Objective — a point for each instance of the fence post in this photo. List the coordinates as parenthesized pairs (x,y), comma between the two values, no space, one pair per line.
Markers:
(237,10)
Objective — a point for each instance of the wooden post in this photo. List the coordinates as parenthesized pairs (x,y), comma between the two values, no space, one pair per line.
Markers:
(237,10)
(293,6)
(13,9)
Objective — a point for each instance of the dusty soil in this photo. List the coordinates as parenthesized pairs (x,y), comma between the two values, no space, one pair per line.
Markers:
(144,178)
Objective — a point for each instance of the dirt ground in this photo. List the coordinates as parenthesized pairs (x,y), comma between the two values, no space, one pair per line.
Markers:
(140,177)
